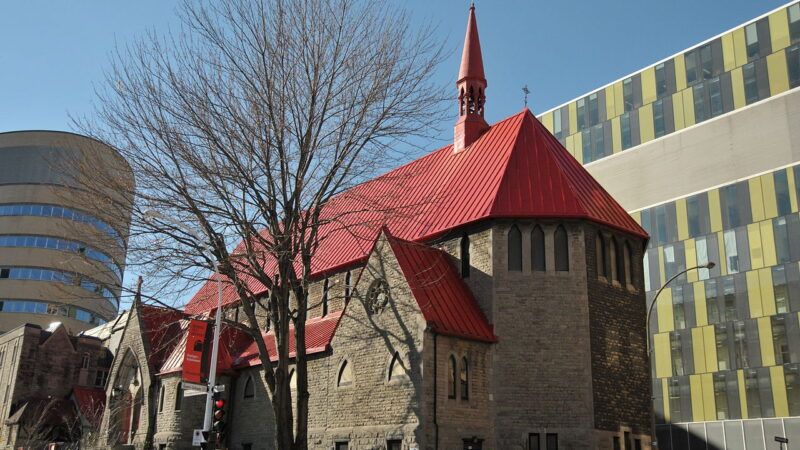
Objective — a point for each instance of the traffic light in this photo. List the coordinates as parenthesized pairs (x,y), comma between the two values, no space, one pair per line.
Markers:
(218,425)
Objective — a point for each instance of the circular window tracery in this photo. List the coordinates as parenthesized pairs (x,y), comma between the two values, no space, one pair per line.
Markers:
(377,296)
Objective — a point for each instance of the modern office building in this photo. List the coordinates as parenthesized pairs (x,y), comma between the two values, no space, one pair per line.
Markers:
(703,148)
(62,251)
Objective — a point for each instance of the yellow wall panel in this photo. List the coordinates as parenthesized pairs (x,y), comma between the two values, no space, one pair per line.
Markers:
(742,394)
(688,107)
(728,57)
(547,121)
(637,216)
(709,404)
(715,210)
(779,391)
(616,135)
(778,72)
(663,357)
(578,143)
(691,259)
(792,189)
(739,47)
(646,130)
(779,29)
(611,110)
(573,117)
(666,321)
(756,199)
(697,350)
(737,84)
(709,338)
(677,110)
(570,144)
(765,340)
(767,292)
(696,388)
(768,244)
(680,73)
(665,398)
(754,294)
(700,308)
(756,251)
(648,85)
(619,98)
(683,220)
(770,200)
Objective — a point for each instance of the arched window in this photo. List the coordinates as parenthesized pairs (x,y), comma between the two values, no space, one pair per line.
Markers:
(179,397)
(85,361)
(619,259)
(562,249)
(249,388)
(347,279)
(161,398)
(451,374)
(600,252)
(325,297)
(538,261)
(345,377)
(293,380)
(514,249)
(464,378)
(628,265)
(397,370)
(464,256)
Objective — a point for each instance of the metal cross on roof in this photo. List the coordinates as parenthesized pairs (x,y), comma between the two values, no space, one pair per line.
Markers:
(526,91)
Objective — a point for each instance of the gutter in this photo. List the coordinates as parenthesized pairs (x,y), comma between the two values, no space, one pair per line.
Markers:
(435,383)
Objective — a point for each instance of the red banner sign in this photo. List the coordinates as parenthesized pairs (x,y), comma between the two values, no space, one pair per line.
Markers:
(195,360)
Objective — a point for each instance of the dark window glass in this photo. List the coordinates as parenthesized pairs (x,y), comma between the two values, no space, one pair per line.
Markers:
(750,83)
(619,259)
(464,379)
(690,61)
(658,118)
(347,280)
(791,374)
(782,192)
(552,441)
(625,130)
(706,62)
(723,347)
(676,400)
(593,110)
(581,113)
(712,303)
(558,132)
(533,441)
(538,260)
(780,340)
(249,388)
(715,97)
(697,215)
(602,258)
(661,80)
(678,309)
(598,142)
(793,65)
(758,390)
(340,446)
(586,146)
(179,397)
(780,289)
(751,40)
(729,298)
(561,249)
(161,398)
(394,444)
(721,396)
(781,232)
(676,351)
(325,297)
(735,201)
(740,345)
(451,372)
(465,264)
(617,445)
(794,24)
(700,110)
(627,94)
(514,249)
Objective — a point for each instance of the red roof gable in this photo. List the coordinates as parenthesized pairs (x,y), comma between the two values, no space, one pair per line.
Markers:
(231,342)
(162,329)
(444,299)
(319,333)
(516,169)
(90,403)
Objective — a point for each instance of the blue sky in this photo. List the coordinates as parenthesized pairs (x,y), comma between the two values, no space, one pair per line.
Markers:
(52,52)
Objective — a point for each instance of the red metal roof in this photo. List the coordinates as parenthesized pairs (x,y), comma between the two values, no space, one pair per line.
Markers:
(90,403)
(471,58)
(516,169)
(444,299)
(232,342)
(319,333)
(162,329)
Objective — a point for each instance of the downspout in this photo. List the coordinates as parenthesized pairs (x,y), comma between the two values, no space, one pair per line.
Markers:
(435,383)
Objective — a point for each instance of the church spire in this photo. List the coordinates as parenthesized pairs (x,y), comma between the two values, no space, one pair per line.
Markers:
(471,89)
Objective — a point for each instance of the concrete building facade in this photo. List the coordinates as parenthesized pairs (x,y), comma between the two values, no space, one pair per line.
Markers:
(62,252)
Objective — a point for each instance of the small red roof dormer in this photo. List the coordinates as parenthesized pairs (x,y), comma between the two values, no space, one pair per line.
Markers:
(471,85)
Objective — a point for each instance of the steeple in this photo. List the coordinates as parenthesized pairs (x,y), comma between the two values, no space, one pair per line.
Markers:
(471,86)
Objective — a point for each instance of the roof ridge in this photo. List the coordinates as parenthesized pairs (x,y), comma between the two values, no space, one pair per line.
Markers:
(493,202)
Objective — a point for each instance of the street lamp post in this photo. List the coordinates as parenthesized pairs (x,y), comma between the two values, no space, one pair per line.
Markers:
(708,265)
(212,376)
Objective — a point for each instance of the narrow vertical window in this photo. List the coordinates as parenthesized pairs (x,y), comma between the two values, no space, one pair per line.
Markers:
(347,279)
(451,374)
(179,397)
(581,113)
(628,266)
(625,130)
(750,83)
(465,264)
(602,260)
(561,249)
(345,376)
(161,398)
(619,258)
(538,261)
(793,64)
(794,22)
(325,297)
(396,369)
(514,249)
(661,80)
(464,379)
(627,94)
(85,361)
(552,441)
(751,40)
(658,118)
(249,390)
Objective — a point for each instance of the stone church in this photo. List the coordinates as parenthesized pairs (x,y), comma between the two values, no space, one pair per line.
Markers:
(502,307)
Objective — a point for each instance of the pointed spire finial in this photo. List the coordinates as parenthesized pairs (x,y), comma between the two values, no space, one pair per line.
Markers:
(526,91)
(471,85)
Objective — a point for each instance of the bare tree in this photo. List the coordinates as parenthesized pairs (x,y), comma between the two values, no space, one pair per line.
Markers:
(245,125)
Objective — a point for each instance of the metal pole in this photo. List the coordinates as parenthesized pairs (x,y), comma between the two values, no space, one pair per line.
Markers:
(212,376)
(709,265)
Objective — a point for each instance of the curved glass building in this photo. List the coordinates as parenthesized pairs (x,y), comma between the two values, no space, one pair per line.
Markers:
(62,246)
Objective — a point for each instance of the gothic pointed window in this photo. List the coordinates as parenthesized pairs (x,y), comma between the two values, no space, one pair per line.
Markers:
(293,380)
(347,287)
(619,259)
(464,256)
(600,252)
(464,379)
(514,249)
(561,249)
(628,265)
(325,298)
(345,376)
(396,369)
(249,388)
(161,398)
(538,261)
(178,396)
(451,374)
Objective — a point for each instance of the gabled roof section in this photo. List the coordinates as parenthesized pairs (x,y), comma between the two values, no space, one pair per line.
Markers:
(231,342)
(161,328)
(319,334)
(516,169)
(445,300)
